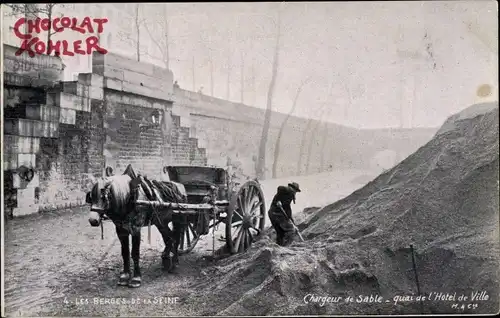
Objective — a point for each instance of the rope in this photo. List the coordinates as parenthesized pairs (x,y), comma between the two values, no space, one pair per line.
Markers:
(106,254)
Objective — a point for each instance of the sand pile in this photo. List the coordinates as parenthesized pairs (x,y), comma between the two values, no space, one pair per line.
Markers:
(443,200)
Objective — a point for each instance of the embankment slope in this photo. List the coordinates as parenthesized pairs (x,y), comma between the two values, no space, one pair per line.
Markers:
(443,200)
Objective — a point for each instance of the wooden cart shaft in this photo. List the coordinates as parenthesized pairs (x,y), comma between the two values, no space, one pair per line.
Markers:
(182,206)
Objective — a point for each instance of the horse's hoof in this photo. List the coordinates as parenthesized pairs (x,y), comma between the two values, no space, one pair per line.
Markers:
(124,279)
(172,267)
(135,282)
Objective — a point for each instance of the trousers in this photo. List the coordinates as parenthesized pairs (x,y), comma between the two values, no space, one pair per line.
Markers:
(283,227)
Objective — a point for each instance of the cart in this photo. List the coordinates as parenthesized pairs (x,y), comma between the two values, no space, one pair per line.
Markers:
(214,195)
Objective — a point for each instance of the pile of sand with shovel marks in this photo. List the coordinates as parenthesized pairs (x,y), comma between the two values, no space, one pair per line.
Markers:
(443,200)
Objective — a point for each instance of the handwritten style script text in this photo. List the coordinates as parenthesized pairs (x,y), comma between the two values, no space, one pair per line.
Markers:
(33,44)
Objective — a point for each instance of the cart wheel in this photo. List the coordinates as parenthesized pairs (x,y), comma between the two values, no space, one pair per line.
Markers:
(189,237)
(245,217)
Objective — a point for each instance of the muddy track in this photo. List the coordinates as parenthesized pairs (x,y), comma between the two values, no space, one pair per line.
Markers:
(54,267)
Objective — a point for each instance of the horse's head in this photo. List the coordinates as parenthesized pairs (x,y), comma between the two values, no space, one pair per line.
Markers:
(110,196)
(98,198)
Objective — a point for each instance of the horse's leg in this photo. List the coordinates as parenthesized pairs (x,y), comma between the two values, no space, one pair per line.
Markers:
(167,235)
(177,226)
(123,237)
(136,251)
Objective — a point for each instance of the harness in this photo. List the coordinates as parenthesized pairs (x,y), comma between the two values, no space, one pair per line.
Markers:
(154,190)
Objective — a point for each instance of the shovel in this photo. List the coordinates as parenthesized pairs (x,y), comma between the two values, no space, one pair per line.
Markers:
(293,223)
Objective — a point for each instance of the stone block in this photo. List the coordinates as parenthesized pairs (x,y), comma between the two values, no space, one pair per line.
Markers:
(113,84)
(26,159)
(119,62)
(97,81)
(83,90)
(31,128)
(96,92)
(19,144)
(9,161)
(75,88)
(145,91)
(65,100)
(85,78)
(27,81)
(31,67)
(16,181)
(25,197)
(97,59)
(165,74)
(67,116)
(32,209)
(91,79)
(109,72)
(147,81)
(42,112)
(44,61)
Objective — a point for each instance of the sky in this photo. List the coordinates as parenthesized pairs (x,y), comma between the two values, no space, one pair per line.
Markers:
(361,64)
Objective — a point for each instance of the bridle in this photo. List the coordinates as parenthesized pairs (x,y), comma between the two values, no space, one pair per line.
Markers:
(105,191)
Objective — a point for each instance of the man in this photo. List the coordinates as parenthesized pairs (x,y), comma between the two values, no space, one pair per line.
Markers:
(280,213)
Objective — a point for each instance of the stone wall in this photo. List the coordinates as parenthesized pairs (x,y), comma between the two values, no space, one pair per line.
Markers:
(230,132)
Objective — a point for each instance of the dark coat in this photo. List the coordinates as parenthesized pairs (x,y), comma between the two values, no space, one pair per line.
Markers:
(285,195)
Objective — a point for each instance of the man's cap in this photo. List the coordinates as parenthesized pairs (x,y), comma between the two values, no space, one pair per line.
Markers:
(295,186)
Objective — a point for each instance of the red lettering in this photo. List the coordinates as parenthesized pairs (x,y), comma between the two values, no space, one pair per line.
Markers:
(86,23)
(17,32)
(65,49)
(33,45)
(100,23)
(56,48)
(66,22)
(56,20)
(40,48)
(34,26)
(27,46)
(45,24)
(76,28)
(77,47)
(93,43)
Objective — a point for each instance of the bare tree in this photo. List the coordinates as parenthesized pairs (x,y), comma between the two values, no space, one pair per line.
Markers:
(309,147)
(229,67)
(160,36)
(242,77)
(302,145)
(193,73)
(277,146)
(33,11)
(211,73)
(135,41)
(326,128)
(314,135)
(261,160)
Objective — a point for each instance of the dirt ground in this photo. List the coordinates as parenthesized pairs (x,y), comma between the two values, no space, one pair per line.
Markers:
(54,263)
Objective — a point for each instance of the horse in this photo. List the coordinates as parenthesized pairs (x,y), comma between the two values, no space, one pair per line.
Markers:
(114,198)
